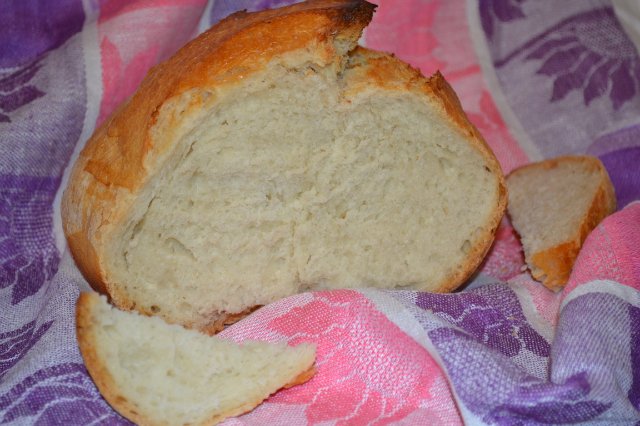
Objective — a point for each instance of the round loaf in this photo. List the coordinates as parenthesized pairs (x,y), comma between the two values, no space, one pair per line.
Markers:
(271,156)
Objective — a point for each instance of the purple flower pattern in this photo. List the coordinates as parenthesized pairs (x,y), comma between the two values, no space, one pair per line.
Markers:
(15,91)
(15,344)
(28,256)
(223,8)
(272,4)
(634,391)
(622,166)
(59,395)
(502,10)
(492,315)
(482,321)
(549,403)
(517,398)
(620,154)
(589,52)
(30,28)
(39,61)
(25,43)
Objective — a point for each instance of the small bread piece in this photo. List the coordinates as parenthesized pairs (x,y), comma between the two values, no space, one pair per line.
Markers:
(271,156)
(554,205)
(154,373)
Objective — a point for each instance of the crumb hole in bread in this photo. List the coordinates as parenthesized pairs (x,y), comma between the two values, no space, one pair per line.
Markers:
(125,256)
(190,151)
(306,287)
(445,165)
(185,306)
(177,247)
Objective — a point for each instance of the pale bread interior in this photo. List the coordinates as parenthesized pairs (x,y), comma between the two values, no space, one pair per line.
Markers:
(171,375)
(291,182)
(547,205)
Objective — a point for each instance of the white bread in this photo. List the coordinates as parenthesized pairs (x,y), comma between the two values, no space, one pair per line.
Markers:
(271,156)
(554,205)
(154,373)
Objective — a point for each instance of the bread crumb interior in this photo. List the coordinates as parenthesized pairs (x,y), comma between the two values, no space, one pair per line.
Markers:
(547,205)
(176,376)
(287,185)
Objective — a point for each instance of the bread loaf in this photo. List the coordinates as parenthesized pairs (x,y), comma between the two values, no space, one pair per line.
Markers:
(154,373)
(271,156)
(554,205)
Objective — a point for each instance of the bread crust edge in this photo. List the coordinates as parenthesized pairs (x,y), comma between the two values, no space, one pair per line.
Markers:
(96,367)
(460,120)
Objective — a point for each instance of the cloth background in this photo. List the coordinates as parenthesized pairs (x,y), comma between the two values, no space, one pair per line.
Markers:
(539,78)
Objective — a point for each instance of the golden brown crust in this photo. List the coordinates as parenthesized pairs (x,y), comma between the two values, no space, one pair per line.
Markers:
(553,266)
(452,106)
(302,378)
(123,153)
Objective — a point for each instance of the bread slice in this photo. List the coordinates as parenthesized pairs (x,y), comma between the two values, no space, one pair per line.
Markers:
(271,156)
(554,205)
(154,373)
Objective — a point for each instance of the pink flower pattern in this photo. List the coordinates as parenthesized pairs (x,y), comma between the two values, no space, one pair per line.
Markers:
(505,259)
(129,48)
(369,371)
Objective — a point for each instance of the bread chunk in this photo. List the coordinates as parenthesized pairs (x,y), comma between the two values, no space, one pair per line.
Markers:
(271,156)
(154,373)
(554,205)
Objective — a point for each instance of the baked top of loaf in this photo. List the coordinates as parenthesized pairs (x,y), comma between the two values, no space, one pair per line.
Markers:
(271,156)
(554,204)
(154,373)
